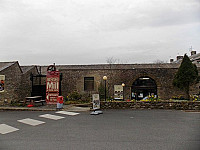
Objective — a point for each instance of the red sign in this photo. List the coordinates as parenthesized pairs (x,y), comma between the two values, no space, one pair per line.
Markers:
(52,86)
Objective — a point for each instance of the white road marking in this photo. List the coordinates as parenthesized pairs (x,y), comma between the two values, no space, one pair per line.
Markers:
(31,122)
(4,129)
(67,113)
(49,116)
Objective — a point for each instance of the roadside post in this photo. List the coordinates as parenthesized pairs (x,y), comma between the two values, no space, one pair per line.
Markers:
(96,105)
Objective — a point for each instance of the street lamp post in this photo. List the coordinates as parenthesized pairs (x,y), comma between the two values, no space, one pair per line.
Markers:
(105,78)
(123,85)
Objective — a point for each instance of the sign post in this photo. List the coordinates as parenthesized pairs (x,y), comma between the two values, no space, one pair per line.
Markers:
(52,85)
(96,105)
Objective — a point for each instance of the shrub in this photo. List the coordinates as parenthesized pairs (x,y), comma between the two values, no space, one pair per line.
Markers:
(74,96)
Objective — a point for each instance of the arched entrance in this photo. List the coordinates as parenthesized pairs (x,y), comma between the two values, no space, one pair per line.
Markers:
(143,87)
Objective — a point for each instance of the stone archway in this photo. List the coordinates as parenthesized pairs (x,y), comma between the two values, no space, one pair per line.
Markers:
(143,87)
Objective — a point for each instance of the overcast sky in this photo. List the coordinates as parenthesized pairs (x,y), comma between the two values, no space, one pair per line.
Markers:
(90,31)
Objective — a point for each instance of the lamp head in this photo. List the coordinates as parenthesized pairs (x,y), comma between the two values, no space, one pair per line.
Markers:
(104,77)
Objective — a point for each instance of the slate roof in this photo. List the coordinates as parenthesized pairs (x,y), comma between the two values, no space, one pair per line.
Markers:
(108,66)
(26,68)
(4,65)
(195,58)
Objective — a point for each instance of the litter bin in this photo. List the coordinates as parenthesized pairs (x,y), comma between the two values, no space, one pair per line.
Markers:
(59,102)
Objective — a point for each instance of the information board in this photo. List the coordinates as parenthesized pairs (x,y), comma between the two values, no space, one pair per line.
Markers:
(118,92)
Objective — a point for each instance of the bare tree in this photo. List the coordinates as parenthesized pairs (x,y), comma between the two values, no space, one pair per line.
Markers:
(111,60)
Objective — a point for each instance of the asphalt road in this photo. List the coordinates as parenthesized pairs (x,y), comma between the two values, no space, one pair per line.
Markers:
(112,130)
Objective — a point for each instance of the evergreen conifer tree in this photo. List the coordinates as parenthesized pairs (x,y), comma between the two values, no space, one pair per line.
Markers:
(186,76)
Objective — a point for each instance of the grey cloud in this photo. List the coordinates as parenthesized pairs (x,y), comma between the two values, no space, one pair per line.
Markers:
(88,31)
(185,12)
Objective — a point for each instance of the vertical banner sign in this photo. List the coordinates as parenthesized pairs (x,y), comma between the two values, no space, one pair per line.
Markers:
(96,101)
(52,86)
(2,83)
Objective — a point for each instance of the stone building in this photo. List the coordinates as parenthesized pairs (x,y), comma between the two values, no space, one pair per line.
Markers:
(140,80)
(12,73)
(16,81)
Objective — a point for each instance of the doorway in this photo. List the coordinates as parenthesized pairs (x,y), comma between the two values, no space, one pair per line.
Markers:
(143,87)
(39,85)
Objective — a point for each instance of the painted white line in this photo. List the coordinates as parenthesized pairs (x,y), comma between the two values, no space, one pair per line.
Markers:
(4,129)
(67,113)
(31,122)
(49,116)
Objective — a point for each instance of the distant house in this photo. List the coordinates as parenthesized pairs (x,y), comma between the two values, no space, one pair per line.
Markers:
(194,57)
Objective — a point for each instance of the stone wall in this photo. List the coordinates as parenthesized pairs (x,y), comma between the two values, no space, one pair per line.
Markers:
(26,83)
(13,76)
(184,105)
(73,79)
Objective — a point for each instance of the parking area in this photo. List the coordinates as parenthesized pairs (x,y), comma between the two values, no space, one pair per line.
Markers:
(114,129)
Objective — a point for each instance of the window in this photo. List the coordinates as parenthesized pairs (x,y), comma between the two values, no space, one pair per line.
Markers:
(88,83)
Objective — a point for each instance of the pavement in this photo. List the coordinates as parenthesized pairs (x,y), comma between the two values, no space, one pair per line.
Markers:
(70,107)
(45,108)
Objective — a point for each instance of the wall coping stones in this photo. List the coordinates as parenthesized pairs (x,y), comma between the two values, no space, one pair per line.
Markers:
(182,105)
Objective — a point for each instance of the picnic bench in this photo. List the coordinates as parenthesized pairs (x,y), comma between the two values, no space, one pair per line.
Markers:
(33,100)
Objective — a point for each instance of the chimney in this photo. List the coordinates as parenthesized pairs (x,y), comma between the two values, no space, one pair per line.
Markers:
(193,53)
(179,57)
(171,60)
